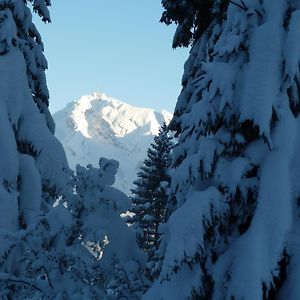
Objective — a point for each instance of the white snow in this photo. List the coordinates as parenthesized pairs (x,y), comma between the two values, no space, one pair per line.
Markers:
(184,238)
(100,126)
(263,75)
(256,254)
(292,46)
(30,198)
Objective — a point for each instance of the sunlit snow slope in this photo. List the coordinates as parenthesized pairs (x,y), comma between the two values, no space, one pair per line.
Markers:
(97,125)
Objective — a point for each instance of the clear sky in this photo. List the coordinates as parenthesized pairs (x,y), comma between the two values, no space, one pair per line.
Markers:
(114,46)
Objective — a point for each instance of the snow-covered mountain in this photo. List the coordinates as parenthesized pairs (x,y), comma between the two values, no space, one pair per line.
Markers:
(98,125)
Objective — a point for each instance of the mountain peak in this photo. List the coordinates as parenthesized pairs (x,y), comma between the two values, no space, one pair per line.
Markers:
(97,125)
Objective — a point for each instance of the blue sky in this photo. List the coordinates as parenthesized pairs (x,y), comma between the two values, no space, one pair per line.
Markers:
(114,46)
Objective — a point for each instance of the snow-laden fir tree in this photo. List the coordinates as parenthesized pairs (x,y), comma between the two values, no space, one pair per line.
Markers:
(80,249)
(150,196)
(235,231)
(98,207)
(46,251)
(34,171)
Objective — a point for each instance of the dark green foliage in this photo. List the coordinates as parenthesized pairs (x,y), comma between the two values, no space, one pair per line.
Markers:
(149,200)
(192,17)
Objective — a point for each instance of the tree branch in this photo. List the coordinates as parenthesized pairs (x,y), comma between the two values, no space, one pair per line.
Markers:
(24,282)
(48,278)
(258,13)
(241,5)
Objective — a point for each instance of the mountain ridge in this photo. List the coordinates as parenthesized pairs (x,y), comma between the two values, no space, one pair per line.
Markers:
(97,126)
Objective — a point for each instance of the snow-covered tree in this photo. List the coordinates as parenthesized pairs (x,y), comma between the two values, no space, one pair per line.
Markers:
(33,169)
(150,196)
(54,227)
(192,17)
(33,164)
(102,230)
(81,249)
(236,167)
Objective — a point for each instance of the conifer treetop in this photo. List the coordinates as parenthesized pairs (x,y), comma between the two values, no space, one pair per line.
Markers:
(192,18)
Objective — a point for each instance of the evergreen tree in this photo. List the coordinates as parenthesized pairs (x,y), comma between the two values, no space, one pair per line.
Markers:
(235,231)
(80,249)
(192,17)
(34,171)
(54,225)
(149,200)
(97,208)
